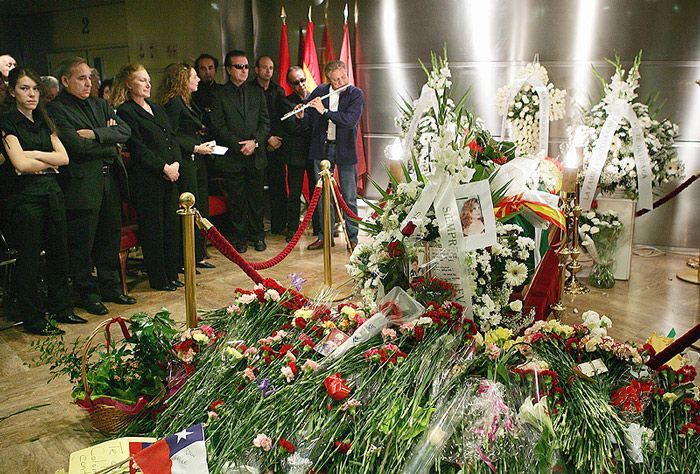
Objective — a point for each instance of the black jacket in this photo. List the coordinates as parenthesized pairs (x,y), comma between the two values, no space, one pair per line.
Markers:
(186,123)
(153,143)
(296,136)
(82,178)
(231,124)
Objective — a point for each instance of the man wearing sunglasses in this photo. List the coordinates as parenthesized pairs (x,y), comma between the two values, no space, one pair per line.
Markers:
(240,122)
(297,137)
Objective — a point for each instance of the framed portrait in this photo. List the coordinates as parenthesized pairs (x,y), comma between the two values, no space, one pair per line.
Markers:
(476,214)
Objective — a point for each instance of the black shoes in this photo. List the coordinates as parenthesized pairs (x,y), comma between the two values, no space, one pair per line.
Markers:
(44,328)
(166,287)
(119,298)
(241,247)
(69,318)
(204,264)
(260,245)
(318,244)
(177,283)
(96,308)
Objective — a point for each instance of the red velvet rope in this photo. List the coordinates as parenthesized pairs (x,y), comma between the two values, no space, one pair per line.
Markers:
(297,235)
(675,348)
(250,268)
(228,251)
(670,195)
(344,205)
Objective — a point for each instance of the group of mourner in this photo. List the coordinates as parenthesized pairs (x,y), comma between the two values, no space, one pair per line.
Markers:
(77,158)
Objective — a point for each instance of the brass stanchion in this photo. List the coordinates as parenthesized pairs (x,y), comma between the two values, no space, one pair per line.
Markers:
(573,285)
(327,292)
(690,274)
(188,214)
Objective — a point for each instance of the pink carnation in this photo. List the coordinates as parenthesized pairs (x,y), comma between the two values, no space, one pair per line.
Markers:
(310,365)
(388,334)
(263,442)
(249,374)
(288,373)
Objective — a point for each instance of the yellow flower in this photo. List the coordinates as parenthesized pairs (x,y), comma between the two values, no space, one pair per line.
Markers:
(348,311)
(328,324)
(305,313)
(234,353)
(670,397)
(498,336)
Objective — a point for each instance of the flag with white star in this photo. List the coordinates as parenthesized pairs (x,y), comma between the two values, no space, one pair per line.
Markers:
(181,453)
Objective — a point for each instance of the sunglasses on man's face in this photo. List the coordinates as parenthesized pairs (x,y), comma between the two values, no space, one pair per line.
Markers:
(240,66)
(299,81)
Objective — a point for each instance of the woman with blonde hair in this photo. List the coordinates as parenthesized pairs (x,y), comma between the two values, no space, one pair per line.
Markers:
(180,80)
(154,169)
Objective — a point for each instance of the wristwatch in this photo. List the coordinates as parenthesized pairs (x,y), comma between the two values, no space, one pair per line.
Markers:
(256,142)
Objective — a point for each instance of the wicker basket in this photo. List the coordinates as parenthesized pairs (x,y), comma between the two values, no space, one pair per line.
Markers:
(107,418)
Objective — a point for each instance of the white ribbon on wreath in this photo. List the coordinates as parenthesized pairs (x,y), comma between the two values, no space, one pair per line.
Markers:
(618,110)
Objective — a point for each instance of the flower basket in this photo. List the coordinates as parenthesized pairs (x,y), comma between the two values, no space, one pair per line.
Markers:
(107,414)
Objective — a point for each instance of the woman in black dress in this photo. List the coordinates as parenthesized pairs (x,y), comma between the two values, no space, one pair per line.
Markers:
(154,169)
(179,82)
(35,207)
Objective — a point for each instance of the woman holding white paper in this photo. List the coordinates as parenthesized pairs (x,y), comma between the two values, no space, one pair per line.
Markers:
(179,82)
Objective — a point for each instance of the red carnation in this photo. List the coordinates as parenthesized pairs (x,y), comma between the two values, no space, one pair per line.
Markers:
(286,445)
(300,322)
(408,229)
(216,405)
(336,387)
(687,373)
(342,447)
(687,429)
(474,146)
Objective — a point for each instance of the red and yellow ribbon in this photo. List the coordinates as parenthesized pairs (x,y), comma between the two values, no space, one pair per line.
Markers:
(511,204)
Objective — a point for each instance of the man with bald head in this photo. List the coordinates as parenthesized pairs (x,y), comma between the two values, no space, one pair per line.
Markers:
(7,63)
(276,175)
(94,185)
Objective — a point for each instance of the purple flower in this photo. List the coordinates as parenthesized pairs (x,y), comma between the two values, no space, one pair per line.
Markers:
(297,280)
(265,388)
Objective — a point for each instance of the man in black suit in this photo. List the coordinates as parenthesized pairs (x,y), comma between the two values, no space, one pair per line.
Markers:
(276,176)
(206,66)
(240,122)
(94,184)
(295,149)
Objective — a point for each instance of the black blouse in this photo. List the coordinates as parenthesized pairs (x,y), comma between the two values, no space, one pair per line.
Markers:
(34,136)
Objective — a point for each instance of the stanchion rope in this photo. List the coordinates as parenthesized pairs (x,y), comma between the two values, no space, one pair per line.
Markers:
(343,204)
(250,268)
(670,195)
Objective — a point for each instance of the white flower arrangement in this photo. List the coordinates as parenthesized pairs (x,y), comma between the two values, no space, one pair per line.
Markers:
(619,172)
(597,226)
(523,112)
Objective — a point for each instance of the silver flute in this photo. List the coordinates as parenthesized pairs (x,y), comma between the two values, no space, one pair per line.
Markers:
(306,106)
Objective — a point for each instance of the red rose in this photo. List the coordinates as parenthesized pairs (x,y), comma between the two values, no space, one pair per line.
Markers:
(336,387)
(395,249)
(286,445)
(408,229)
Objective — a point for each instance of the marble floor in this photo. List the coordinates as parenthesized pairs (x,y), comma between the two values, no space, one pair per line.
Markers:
(40,441)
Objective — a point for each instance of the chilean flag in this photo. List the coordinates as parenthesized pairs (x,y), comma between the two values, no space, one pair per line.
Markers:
(181,453)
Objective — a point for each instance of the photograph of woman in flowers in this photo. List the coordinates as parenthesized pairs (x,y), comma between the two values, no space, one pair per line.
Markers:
(471,217)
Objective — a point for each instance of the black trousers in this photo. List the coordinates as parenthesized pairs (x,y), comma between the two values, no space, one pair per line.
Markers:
(277,181)
(245,190)
(194,178)
(311,179)
(156,203)
(39,223)
(295,178)
(93,241)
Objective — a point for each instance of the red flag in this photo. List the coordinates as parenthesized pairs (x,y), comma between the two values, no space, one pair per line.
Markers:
(346,57)
(327,54)
(283,63)
(310,63)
